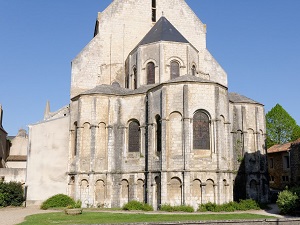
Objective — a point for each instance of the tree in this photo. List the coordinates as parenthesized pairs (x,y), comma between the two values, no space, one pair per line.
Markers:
(281,127)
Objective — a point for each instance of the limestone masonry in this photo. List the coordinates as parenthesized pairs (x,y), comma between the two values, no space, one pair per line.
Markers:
(150,118)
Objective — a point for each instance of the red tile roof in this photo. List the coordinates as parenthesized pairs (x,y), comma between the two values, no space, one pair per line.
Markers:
(279,148)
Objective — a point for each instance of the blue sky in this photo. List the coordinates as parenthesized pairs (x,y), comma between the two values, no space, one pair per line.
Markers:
(255,41)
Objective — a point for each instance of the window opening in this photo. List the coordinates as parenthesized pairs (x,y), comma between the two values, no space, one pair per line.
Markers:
(150,73)
(201,134)
(134,78)
(153,10)
(194,70)
(174,69)
(134,137)
(158,134)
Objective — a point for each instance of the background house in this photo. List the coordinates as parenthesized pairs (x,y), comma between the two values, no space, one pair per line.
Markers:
(284,165)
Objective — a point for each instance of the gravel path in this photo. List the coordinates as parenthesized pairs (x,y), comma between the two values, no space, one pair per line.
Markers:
(12,216)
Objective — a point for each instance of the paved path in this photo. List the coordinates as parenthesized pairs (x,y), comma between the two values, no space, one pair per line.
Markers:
(12,216)
(15,215)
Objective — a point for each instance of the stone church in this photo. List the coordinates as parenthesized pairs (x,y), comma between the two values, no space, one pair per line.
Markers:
(150,118)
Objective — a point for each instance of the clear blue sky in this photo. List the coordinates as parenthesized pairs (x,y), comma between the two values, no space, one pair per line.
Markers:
(255,41)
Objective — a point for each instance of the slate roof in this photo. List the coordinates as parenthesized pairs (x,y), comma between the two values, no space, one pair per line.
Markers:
(163,30)
(237,98)
(189,78)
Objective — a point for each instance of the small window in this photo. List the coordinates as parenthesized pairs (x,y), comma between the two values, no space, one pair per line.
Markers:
(134,78)
(174,69)
(153,10)
(134,137)
(272,179)
(271,163)
(201,134)
(158,133)
(194,70)
(150,73)
(285,178)
(286,162)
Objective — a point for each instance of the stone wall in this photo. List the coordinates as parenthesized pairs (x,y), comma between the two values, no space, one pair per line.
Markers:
(47,160)
(11,174)
(102,61)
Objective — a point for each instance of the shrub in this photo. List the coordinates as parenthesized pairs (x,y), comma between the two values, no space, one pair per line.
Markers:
(135,205)
(76,205)
(11,194)
(243,205)
(287,201)
(181,208)
(57,201)
(166,208)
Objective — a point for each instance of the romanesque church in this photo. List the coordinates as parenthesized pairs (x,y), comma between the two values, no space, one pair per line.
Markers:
(150,118)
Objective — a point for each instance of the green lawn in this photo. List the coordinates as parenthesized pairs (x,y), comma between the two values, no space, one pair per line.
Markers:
(105,217)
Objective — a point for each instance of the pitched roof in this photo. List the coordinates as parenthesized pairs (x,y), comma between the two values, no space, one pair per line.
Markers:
(279,148)
(163,30)
(237,98)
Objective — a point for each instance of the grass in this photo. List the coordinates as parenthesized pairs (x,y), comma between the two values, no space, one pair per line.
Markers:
(106,218)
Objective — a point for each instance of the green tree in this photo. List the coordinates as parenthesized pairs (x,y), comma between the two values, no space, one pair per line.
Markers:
(281,127)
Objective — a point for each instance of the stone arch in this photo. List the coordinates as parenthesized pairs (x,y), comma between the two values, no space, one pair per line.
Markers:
(175,133)
(74,139)
(210,191)
(124,191)
(86,139)
(84,192)
(225,190)
(175,191)
(101,140)
(251,140)
(100,193)
(197,191)
(140,190)
(158,191)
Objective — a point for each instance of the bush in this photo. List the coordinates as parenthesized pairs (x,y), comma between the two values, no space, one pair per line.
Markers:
(287,201)
(181,208)
(243,205)
(58,201)
(135,205)
(11,194)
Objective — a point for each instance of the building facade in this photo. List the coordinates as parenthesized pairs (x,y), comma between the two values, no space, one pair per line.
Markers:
(284,165)
(4,144)
(150,118)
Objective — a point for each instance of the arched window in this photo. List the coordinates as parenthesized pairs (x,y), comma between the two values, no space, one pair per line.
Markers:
(134,78)
(134,137)
(174,69)
(150,73)
(158,133)
(194,70)
(201,134)
(153,10)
